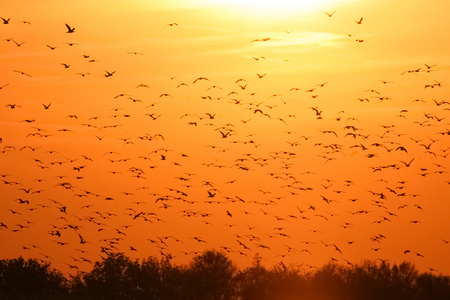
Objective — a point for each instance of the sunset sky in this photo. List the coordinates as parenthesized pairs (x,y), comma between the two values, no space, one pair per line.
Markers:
(304,131)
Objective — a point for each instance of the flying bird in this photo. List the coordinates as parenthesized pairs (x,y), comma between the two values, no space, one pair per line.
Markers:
(329,14)
(18,44)
(109,74)
(46,106)
(70,29)
(23,73)
(200,78)
(359,22)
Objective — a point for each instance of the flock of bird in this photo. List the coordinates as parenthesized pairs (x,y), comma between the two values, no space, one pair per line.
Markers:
(207,164)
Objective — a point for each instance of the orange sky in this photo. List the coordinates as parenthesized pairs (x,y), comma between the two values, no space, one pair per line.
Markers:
(341,144)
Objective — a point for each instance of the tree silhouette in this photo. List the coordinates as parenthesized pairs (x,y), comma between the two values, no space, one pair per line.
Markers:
(329,281)
(116,277)
(30,279)
(432,287)
(381,281)
(259,283)
(159,279)
(288,282)
(253,282)
(210,277)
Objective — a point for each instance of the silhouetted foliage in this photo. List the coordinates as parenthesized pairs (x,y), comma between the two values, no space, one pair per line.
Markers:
(253,282)
(381,281)
(213,276)
(257,282)
(432,287)
(116,277)
(210,277)
(30,279)
(161,280)
(329,281)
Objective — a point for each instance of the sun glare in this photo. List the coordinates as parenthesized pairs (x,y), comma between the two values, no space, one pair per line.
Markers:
(277,6)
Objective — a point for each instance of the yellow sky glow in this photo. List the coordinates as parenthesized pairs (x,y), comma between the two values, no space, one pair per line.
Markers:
(274,4)
(278,9)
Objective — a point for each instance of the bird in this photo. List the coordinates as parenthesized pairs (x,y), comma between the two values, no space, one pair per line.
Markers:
(109,74)
(261,40)
(407,164)
(18,44)
(12,106)
(82,240)
(359,22)
(386,82)
(143,85)
(200,78)
(69,29)
(23,73)
(329,14)
(429,66)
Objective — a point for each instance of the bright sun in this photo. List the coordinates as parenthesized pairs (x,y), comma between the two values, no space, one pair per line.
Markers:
(278,6)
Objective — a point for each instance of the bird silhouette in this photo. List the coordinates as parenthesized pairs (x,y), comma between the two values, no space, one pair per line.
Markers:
(407,164)
(18,44)
(70,29)
(329,14)
(23,73)
(109,74)
(359,22)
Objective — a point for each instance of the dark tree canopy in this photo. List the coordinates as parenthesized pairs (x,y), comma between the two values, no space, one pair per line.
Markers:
(210,276)
(30,279)
(213,276)
(114,277)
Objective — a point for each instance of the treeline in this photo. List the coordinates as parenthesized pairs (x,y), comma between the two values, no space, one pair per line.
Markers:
(212,275)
